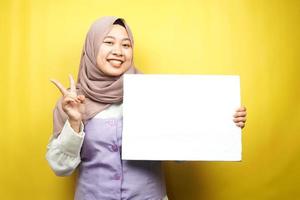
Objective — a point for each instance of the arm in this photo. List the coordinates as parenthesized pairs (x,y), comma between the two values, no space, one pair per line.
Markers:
(63,152)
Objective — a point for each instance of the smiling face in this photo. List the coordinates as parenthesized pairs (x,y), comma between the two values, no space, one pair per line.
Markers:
(115,52)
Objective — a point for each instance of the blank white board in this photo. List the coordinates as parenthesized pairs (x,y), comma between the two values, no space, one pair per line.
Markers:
(181,117)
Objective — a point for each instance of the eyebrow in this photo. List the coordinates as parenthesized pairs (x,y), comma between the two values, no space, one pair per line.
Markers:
(115,38)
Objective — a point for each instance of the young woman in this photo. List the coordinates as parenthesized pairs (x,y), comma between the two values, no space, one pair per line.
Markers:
(88,122)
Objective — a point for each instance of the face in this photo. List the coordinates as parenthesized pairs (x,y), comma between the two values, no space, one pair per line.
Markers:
(115,52)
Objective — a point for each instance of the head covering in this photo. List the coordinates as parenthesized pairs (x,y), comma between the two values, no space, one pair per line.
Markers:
(99,89)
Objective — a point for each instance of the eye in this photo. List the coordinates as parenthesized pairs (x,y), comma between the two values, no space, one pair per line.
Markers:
(126,45)
(108,42)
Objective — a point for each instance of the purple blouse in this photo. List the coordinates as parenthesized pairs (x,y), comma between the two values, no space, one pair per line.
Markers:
(104,176)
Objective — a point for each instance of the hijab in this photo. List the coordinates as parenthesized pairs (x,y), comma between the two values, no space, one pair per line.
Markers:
(99,89)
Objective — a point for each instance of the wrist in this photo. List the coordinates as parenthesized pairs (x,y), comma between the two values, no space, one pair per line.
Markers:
(75,124)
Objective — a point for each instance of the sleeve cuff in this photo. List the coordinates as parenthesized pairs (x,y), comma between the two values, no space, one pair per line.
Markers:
(70,140)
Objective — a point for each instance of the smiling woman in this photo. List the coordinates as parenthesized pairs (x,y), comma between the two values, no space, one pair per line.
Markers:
(88,122)
(93,106)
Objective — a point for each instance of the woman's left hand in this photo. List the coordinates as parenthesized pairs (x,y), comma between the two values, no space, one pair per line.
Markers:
(240,117)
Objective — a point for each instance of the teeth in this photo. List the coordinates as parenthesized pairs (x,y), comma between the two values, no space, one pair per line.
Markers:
(115,62)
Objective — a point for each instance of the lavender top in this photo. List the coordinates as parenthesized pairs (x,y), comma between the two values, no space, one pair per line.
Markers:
(96,151)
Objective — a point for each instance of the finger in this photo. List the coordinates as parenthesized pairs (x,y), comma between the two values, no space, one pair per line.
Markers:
(72,84)
(240,124)
(239,119)
(68,100)
(240,114)
(77,100)
(81,98)
(61,88)
(242,108)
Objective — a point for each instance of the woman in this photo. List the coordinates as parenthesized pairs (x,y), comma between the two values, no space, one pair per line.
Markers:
(88,122)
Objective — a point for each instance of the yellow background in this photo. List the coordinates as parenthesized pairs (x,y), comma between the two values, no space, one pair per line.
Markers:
(258,40)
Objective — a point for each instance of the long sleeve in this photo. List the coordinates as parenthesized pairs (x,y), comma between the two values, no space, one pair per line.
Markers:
(63,152)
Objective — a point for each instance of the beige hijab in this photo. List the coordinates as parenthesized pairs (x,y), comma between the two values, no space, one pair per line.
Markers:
(99,89)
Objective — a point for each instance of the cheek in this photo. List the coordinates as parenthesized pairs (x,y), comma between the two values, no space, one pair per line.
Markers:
(129,56)
(101,57)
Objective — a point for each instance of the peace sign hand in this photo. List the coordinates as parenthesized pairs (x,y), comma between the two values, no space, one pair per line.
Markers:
(72,104)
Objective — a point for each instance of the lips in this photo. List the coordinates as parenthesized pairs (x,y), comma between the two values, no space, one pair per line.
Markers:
(115,62)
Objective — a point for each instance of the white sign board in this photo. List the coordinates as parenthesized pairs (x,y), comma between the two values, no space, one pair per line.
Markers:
(181,117)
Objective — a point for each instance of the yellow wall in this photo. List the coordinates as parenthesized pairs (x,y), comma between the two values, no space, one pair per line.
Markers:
(259,40)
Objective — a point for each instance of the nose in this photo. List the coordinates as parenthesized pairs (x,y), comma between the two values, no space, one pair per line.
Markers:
(117,50)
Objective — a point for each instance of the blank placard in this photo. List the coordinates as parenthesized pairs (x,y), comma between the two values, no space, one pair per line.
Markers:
(181,117)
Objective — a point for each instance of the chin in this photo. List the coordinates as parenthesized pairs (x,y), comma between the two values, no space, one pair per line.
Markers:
(115,72)
(119,71)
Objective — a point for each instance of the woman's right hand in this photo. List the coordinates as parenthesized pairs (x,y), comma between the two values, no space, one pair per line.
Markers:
(72,104)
